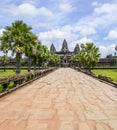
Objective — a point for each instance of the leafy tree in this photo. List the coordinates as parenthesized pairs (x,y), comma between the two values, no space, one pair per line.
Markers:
(14,38)
(54,59)
(43,56)
(76,59)
(89,55)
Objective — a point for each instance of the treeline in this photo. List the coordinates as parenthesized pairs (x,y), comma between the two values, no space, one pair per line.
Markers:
(20,40)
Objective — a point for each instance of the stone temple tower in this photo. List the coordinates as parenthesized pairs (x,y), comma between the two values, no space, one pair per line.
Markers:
(76,49)
(64,47)
(65,54)
(52,49)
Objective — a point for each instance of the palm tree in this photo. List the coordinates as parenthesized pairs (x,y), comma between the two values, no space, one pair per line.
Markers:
(14,38)
(44,55)
(35,54)
(89,55)
(30,48)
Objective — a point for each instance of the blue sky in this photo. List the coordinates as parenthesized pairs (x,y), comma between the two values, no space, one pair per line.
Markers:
(77,21)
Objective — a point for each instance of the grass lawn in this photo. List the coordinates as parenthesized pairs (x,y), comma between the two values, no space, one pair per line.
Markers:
(107,72)
(10,72)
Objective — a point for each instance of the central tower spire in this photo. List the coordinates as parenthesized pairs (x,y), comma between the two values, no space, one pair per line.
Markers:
(65,46)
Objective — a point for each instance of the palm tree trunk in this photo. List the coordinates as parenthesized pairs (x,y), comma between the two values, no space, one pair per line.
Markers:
(35,63)
(18,64)
(29,64)
(4,68)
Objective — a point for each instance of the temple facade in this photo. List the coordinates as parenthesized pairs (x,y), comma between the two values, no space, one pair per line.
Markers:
(64,53)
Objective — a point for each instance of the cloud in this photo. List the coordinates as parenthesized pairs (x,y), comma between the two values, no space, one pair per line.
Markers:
(57,36)
(60,33)
(108,49)
(112,35)
(66,7)
(83,40)
(28,9)
(106,8)
(102,17)
(84,30)
(1,31)
(96,4)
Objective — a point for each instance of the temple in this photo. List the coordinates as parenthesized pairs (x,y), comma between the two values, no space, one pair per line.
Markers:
(64,53)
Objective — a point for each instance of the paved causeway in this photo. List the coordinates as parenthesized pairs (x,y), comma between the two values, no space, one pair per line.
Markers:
(63,100)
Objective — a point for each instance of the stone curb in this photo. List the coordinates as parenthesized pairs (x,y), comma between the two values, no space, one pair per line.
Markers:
(112,83)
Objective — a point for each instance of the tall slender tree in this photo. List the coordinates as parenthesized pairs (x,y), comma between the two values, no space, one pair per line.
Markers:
(35,54)
(30,48)
(14,38)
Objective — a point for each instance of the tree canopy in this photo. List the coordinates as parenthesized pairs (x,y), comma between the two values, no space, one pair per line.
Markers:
(88,57)
(54,59)
(19,39)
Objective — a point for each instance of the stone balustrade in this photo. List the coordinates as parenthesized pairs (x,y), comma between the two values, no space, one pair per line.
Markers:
(22,79)
(99,77)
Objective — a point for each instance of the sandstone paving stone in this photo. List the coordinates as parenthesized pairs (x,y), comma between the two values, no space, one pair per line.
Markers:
(99,127)
(63,100)
(13,124)
(81,116)
(36,125)
(91,124)
(83,126)
(112,114)
(111,123)
(42,103)
(41,114)
(66,126)
(95,115)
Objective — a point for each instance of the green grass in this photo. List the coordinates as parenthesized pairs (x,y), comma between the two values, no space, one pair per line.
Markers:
(107,72)
(10,72)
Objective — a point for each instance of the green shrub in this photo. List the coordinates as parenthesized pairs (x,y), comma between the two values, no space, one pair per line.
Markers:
(25,79)
(1,88)
(11,85)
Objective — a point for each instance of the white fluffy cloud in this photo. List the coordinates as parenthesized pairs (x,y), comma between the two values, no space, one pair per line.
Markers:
(57,35)
(84,30)
(106,8)
(1,31)
(96,4)
(28,9)
(80,41)
(60,33)
(112,35)
(108,49)
(103,16)
(66,7)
